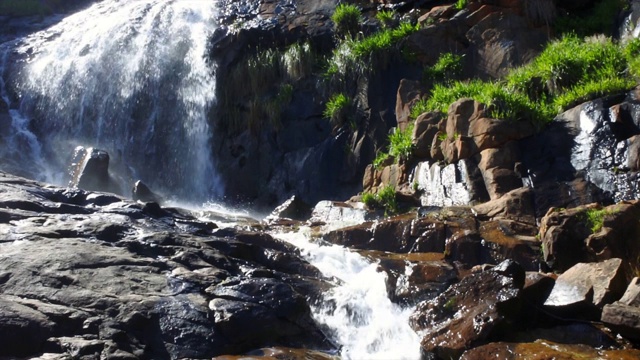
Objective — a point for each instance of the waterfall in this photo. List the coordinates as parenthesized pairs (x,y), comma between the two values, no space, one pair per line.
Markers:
(359,313)
(126,76)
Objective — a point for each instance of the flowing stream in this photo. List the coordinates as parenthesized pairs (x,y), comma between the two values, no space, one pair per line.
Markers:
(131,77)
(126,76)
(358,311)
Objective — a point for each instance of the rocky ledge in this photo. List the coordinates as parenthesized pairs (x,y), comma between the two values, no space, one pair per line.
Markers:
(88,275)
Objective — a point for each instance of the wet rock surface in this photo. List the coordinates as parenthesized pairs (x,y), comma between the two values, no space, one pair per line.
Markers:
(587,287)
(90,274)
(455,321)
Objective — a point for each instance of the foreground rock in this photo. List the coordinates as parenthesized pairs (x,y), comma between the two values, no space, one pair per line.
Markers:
(624,315)
(542,350)
(92,275)
(458,311)
(587,287)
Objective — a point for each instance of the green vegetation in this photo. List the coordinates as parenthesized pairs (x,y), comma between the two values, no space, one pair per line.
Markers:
(385,199)
(447,68)
(23,8)
(461,4)
(450,305)
(346,19)
(567,72)
(386,18)
(354,59)
(595,218)
(381,157)
(598,20)
(259,88)
(401,143)
(336,109)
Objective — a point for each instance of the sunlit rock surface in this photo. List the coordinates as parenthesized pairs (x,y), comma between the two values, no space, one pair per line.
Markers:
(109,277)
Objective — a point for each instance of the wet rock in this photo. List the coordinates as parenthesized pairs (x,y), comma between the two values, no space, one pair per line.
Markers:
(516,205)
(624,314)
(588,143)
(339,212)
(279,352)
(260,311)
(115,281)
(294,208)
(143,193)
(543,349)
(450,185)
(591,233)
(24,330)
(478,307)
(587,287)
(415,277)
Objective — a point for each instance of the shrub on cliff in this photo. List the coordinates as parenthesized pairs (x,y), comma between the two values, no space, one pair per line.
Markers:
(346,19)
(401,143)
(384,199)
(336,109)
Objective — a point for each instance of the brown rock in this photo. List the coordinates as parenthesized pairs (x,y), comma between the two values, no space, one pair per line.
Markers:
(568,239)
(586,285)
(429,42)
(492,133)
(502,41)
(461,113)
(515,205)
(424,131)
(473,310)
(633,161)
(544,350)
(409,92)
(624,315)
(437,13)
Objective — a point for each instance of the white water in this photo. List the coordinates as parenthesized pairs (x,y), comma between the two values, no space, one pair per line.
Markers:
(126,76)
(359,313)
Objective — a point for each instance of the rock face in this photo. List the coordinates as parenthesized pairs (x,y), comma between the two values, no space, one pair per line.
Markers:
(90,274)
(624,314)
(587,286)
(457,311)
(591,233)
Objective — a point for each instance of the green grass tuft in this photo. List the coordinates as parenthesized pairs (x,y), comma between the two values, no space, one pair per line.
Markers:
(595,219)
(336,108)
(461,4)
(346,19)
(401,143)
(568,71)
(384,199)
(386,18)
(381,157)
(447,68)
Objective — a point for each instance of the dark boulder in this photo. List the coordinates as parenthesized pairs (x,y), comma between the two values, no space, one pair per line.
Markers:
(143,193)
(478,307)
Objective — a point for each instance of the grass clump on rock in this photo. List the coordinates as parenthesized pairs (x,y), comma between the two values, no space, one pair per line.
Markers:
(336,109)
(568,71)
(346,19)
(447,68)
(401,143)
(384,199)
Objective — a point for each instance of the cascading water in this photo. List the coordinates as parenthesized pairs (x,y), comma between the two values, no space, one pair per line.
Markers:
(126,76)
(362,318)
(130,77)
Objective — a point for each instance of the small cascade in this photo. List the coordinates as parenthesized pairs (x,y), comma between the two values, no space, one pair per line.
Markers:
(358,311)
(126,76)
